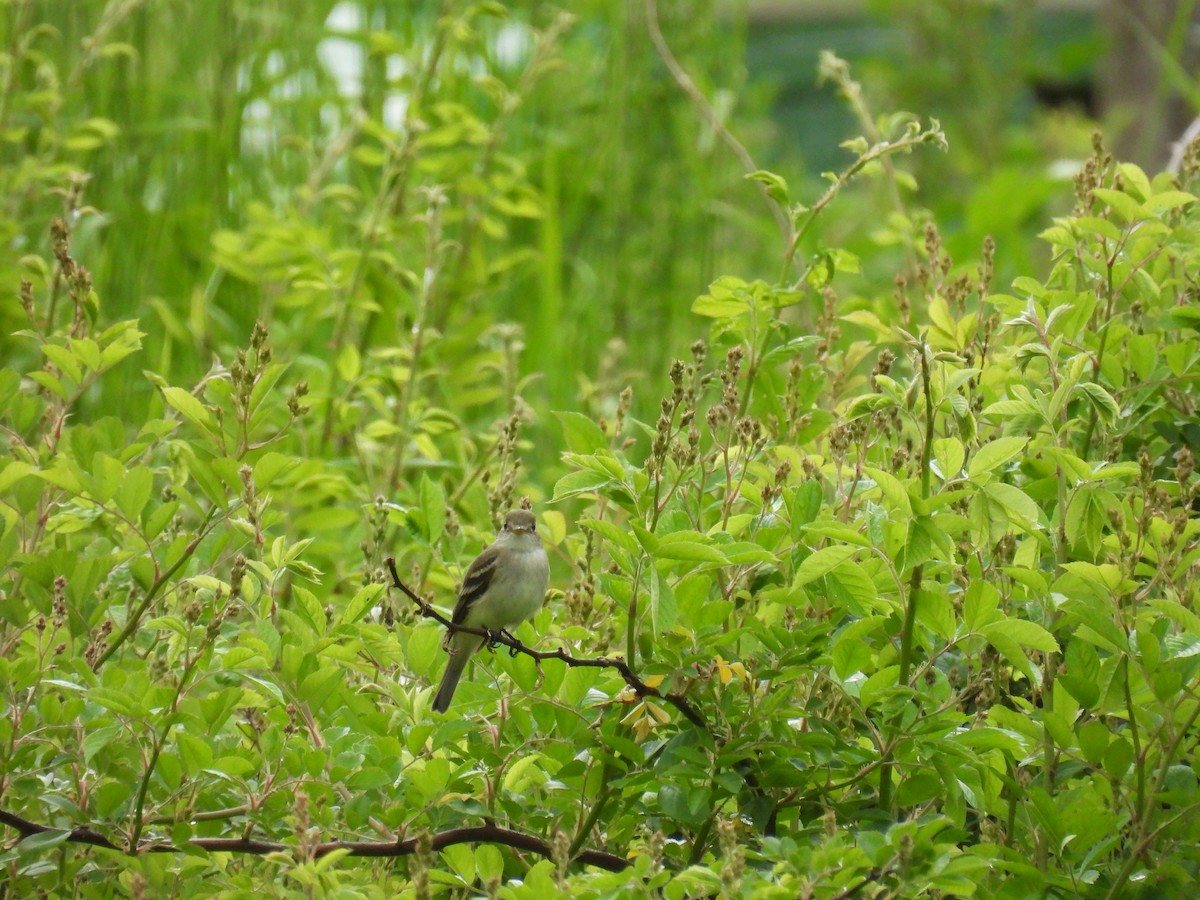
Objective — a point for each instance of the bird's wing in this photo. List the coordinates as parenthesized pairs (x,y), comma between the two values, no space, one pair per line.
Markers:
(475,584)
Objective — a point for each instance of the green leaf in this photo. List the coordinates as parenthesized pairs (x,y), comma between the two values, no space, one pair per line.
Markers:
(1023,632)
(1126,208)
(36,843)
(1019,506)
(878,684)
(585,481)
(134,491)
(581,433)
(993,455)
(461,859)
(895,496)
(67,362)
(310,608)
(489,863)
(1081,677)
(88,351)
(776,186)
(836,532)
(190,408)
(1085,519)
(688,551)
(349,362)
(822,562)
(1101,400)
(422,647)
(50,383)
(1169,199)
(727,297)
(806,504)
(270,467)
(662,604)
(13,472)
(433,508)
(1072,466)
(621,537)
(949,455)
(195,753)
(361,603)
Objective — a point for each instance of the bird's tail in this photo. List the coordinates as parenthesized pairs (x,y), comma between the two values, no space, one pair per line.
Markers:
(461,652)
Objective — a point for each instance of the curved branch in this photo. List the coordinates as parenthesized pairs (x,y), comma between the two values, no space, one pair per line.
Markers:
(707,112)
(636,684)
(401,847)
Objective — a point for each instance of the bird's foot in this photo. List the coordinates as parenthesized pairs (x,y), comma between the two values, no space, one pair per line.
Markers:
(512,650)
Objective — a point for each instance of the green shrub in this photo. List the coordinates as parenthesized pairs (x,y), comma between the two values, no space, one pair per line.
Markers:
(903,583)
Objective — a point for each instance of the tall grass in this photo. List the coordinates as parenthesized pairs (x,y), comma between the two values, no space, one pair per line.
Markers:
(199,124)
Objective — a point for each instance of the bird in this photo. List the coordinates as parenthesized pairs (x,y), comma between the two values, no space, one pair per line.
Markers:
(504,586)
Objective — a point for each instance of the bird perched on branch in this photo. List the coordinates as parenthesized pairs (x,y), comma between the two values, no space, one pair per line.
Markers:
(504,586)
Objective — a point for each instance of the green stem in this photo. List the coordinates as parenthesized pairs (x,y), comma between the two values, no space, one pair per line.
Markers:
(701,840)
(593,815)
(433,240)
(918,572)
(1085,447)
(1135,738)
(388,203)
(160,739)
(135,619)
(631,623)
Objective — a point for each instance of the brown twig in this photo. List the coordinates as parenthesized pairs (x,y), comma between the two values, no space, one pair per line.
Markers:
(401,847)
(707,111)
(636,684)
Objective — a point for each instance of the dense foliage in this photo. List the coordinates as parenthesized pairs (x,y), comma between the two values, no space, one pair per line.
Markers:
(892,592)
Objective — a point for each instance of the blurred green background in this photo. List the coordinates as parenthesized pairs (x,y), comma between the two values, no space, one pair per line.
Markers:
(268,159)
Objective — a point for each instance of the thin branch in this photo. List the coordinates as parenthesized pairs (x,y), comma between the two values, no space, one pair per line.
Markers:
(707,112)
(401,847)
(638,686)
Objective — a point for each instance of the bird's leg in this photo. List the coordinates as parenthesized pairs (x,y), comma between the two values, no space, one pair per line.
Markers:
(512,650)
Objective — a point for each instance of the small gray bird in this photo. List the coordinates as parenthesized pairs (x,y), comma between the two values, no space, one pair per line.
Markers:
(504,586)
